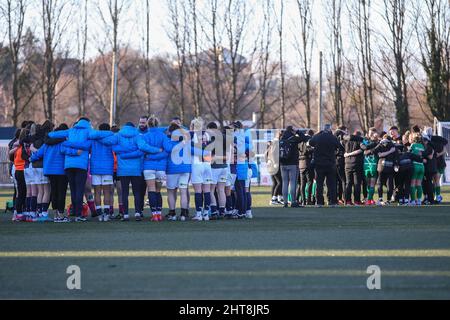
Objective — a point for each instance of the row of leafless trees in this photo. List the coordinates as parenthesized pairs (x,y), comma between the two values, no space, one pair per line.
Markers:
(385,60)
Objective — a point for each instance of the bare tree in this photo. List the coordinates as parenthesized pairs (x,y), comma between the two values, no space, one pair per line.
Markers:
(147,58)
(305,47)
(394,60)
(111,14)
(238,77)
(197,96)
(433,32)
(214,101)
(334,12)
(266,69)
(82,81)
(178,36)
(281,61)
(14,15)
(360,17)
(55,17)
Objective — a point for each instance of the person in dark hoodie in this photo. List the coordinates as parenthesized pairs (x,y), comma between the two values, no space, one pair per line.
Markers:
(439,144)
(430,162)
(306,174)
(289,156)
(394,133)
(325,146)
(340,133)
(404,173)
(354,161)
(387,157)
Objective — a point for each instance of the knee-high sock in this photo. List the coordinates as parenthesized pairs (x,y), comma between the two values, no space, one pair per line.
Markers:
(370,192)
(249,201)
(198,202)
(28,204)
(419,192)
(207,201)
(159,202)
(413,193)
(33,205)
(152,199)
(229,203)
(437,190)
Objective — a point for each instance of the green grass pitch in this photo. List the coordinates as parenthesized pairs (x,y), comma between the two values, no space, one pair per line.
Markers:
(304,253)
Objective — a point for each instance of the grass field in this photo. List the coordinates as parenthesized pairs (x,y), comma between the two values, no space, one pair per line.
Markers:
(305,253)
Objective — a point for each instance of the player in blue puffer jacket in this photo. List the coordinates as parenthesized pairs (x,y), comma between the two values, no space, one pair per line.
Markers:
(129,164)
(101,167)
(53,154)
(76,165)
(154,165)
(178,169)
(243,148)
(102,170)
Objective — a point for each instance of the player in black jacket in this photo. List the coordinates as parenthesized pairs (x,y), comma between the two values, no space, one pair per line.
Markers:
(404,170)
(387,155)
(340,133)
(325,145)
(439,144)
(431,170)
(306,176)
(354,161)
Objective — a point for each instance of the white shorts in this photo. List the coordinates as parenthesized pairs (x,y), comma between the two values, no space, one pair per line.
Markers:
(159,176)
(39,177)
(219,175)
(248,182)
(201,173)
(179,180)
(29,176)
(102,180)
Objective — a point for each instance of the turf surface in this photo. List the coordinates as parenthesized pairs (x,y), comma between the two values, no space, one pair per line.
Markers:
(282,254)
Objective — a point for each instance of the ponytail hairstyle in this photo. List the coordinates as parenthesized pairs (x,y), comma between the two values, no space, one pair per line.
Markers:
(47,126)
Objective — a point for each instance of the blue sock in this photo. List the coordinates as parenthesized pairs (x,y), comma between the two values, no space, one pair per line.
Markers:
(39,207)
(198,202)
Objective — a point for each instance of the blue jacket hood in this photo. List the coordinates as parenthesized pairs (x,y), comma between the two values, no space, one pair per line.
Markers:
(128,132)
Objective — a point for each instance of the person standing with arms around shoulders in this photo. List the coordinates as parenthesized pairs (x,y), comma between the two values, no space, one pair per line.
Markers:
(155,165)
(324,158)
(76,162)
(353,167)
(289,155)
